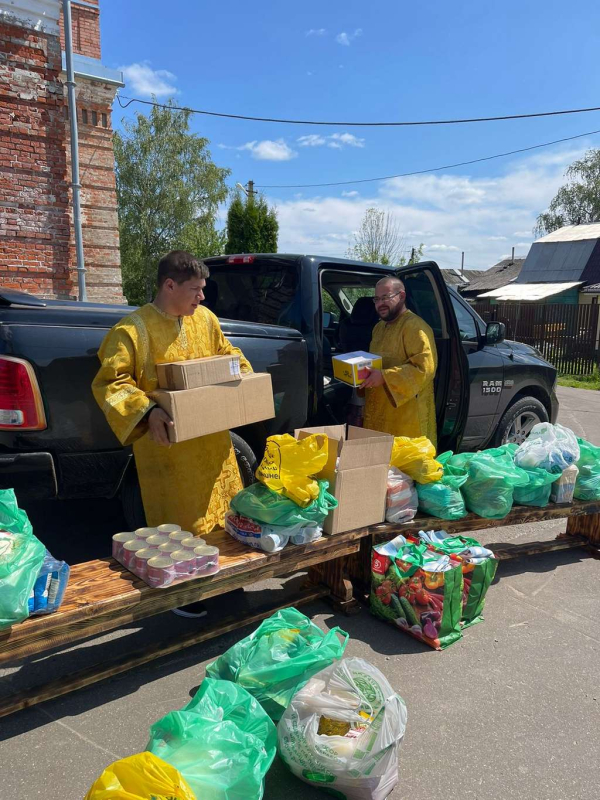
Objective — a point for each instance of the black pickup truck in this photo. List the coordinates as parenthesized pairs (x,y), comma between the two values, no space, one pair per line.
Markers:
(55,442)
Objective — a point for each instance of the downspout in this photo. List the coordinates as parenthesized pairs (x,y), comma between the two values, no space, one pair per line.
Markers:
(75,185)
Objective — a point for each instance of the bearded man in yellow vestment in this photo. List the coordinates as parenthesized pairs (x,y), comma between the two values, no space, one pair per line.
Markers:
(189,483)
(399,397)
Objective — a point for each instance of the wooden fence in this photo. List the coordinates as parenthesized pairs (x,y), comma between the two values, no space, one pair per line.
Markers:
(567,335)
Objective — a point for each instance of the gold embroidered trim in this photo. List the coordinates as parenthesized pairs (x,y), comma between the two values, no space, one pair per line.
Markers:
(183,335)
(142,332)
(115,398)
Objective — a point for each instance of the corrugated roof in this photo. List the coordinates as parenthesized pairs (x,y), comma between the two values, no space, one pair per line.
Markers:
(551,262)
(454,277)
(529,291)
(573,233)
(499,275)
(594,288)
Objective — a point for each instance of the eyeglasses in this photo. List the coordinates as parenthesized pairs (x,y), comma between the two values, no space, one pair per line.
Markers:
(385,297)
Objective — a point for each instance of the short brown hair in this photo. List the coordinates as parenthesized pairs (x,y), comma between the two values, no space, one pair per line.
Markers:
(180,266)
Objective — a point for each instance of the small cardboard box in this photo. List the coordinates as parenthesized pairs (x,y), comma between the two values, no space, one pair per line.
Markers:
(198,372)
(210,409)
(353,368)
(360,482)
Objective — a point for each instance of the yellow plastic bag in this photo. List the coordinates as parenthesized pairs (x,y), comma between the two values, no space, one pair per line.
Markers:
(140,777)
(416,458)
(289,463)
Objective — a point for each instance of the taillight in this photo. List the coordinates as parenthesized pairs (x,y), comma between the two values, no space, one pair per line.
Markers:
(240,259)
(21,406)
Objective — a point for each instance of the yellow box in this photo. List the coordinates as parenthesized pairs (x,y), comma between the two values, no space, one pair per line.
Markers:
(352,367)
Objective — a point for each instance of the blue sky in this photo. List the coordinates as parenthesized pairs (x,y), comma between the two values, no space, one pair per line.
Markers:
(356,61)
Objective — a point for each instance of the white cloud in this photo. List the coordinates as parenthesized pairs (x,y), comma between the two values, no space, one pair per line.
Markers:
(346,39)
(336,140)
(349,194)
(453,212)
(147,81)
(316,32)
(267,150)
(497,238)
(523,233)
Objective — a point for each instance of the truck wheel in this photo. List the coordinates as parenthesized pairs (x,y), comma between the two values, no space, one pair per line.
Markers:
(518,420)
(131,496)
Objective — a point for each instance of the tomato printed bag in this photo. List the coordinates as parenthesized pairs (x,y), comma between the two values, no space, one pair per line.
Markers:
(418,590)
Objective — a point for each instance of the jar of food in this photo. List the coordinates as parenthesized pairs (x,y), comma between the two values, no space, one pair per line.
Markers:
(118,540)
(160,571)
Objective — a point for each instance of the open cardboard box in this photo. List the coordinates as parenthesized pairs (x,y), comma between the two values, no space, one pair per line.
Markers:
(360,482)
(210,409)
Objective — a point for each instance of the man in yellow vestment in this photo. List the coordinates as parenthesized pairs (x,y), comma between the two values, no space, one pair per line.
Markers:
(399,397)
(189,483)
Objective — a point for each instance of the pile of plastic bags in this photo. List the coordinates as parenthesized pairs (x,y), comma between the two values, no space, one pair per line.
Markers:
(340,724)
(288,504)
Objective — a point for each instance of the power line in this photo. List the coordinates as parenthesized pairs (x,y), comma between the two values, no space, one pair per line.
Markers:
(424,171)
(355,124)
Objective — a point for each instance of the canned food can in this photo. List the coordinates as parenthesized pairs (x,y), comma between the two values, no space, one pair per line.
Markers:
(168,528)
(191,542)
(160,571)
(185,563)
(168,547)
(129,550)
(179,536)
(207,559)
(118,540)
(144,533)
(140,561)
(157,539)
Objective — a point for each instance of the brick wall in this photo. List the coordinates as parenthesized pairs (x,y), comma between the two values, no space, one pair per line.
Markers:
(37,252)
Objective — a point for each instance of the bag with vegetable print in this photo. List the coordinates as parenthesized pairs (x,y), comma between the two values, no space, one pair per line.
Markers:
(418,590)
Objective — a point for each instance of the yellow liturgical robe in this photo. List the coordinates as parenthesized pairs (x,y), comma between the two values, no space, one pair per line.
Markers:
(189,483)
(405,404)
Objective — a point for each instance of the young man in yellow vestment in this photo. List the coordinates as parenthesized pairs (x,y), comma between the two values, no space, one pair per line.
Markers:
(399,397)
(189,483)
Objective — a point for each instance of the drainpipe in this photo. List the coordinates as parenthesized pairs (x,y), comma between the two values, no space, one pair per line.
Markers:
(75,185)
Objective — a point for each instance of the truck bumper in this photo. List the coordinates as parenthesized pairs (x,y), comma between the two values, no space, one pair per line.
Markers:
(31,475)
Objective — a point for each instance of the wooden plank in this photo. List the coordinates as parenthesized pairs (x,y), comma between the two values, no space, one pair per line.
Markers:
(156,601)
(506,552)
(98,672)
(588,526)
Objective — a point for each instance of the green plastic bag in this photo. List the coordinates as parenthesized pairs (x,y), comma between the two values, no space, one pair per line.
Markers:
(260,504)
(221,742)
(21,558)
(410,590)
(443,498)
(587,486)
(492,479)
(279,658)
(537,491)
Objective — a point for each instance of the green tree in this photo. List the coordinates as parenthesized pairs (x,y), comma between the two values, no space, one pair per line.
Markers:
(252,226)
(578,201)
(168,191)
(379,241)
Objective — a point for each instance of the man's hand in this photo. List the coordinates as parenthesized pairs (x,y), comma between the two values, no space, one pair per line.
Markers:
(159,424)
(374,380)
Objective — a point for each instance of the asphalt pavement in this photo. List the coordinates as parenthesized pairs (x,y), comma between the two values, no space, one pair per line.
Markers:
(511,710)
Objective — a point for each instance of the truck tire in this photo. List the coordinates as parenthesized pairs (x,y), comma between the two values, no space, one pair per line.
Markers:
(131,496)
(518,420)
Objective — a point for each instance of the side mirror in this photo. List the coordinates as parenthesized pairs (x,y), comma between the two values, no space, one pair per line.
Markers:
(495,332)
(329,319)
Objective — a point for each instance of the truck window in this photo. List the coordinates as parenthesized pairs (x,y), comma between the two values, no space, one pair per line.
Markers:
(263,291)
(466,322)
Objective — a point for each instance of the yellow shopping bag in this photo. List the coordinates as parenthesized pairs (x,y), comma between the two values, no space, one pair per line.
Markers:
(416,458)
(289,463)
(140,777)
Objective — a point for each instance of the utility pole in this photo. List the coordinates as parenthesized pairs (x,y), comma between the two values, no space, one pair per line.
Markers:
(75,185)
(412,256)
(512,258)
(250,191)
(462,262)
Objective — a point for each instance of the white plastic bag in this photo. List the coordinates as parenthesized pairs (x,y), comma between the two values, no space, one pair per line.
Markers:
(270,538)
(365,718)
(402,500)
(551,447)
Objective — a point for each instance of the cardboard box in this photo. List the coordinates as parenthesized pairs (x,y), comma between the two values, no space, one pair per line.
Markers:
(353,368)
(360,482)
(210,409)
(198,372)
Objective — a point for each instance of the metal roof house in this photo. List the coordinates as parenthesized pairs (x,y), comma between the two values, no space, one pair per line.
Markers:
(562,267)
(502,273)
(461,279)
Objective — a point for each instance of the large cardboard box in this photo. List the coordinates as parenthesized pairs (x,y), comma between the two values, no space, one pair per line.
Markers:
(210,409)
(360,482)
(198,372)
(353,368)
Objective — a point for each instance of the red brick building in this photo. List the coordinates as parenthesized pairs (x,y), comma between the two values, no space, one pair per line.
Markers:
(37,252)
